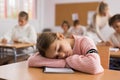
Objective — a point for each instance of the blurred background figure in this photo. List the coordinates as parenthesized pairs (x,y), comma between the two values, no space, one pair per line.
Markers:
(99,21)
(114,39)
(23,32)
(65,26)
(47,30)
(77,29)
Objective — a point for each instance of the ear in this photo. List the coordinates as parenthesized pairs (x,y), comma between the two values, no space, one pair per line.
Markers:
(60,35)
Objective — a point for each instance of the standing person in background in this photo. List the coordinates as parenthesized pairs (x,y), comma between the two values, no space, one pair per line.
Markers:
(65,26)
(21,33)
(77,29)
(100,19)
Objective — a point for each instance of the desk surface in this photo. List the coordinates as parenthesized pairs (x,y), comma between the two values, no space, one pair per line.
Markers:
(20,71)
(16,45)
(115,54)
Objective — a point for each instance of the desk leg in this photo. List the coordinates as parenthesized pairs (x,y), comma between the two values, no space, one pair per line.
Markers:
(15,54)
(2,53)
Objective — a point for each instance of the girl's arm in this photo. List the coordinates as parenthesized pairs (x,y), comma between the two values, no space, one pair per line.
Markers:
(89,60)
(37,60)
(89,63)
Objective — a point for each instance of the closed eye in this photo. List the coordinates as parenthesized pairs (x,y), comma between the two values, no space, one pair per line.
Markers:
(56,57)
(59,49)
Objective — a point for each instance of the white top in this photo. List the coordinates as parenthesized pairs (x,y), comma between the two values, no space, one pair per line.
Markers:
(98,23)
(115,39)
(93,36)
(81,30)
(25,34)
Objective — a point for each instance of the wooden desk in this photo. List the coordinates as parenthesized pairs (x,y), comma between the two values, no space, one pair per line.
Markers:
(115,54)
(14,47)
(20,71)
(112,53)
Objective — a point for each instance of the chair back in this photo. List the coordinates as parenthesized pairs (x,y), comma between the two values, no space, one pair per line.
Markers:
(104,56)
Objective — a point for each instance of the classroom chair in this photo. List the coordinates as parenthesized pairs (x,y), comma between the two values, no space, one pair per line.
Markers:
(104,56)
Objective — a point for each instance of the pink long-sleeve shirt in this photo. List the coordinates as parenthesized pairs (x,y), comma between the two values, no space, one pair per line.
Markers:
(81,60)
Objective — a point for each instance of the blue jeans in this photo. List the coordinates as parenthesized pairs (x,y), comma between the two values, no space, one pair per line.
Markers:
(115,63)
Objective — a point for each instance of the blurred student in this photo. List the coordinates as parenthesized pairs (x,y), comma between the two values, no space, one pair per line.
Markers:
(100,20)
(21,33)
(78,52)
(65,26)
(114,40)
(77,29)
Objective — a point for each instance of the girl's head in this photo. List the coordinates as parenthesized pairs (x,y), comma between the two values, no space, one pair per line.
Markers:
(53,45)
(103,8)
(22,18)
(76,22)
(65,26)
(114,21)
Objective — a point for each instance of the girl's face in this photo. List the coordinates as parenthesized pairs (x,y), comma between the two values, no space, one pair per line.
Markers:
(65,27)
(105,11)
(22,21)
(60,48)
(116,26)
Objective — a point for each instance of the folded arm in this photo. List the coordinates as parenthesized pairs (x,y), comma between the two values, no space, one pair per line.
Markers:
(89,63)
(37,60)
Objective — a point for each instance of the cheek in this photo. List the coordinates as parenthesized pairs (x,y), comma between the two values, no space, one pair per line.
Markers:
(49,55)
(22,23)
(68,46)
(119,29)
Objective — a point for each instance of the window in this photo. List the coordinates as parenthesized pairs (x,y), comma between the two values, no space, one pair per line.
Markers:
(11,8)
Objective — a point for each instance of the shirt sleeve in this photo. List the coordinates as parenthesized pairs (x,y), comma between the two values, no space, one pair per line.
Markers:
(87,62)
(32,36)
(114,40)
(37,60)
(8,35)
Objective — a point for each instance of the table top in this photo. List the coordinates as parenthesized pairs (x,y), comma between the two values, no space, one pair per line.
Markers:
(16,45)
(20,71)
(115,54)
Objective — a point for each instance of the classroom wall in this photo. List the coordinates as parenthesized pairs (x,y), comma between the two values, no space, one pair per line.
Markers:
(46,15)
(50,13)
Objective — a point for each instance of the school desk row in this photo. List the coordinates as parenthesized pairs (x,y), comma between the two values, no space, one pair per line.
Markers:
(114,52)
(15,46)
